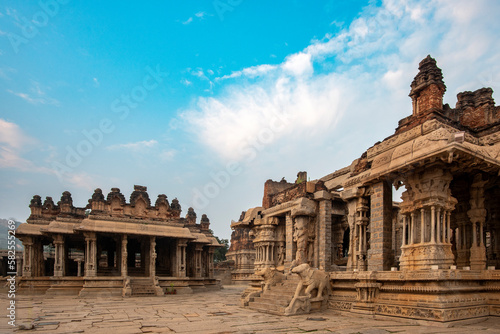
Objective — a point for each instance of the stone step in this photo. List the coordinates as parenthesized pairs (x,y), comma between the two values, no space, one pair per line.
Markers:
(267,308)
(279,291)
(141,280)
(278,294)
(282,301)
(143,291)
(277,298)
(144,294)
(142,287)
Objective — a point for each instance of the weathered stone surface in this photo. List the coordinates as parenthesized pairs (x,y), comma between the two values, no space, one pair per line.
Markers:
(448,161)
(113,247)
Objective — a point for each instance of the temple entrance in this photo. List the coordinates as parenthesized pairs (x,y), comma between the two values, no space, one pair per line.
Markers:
(165,259)
(190,261)
(74,255)
(340,240)
(345,242)
(137,248)
(107,264)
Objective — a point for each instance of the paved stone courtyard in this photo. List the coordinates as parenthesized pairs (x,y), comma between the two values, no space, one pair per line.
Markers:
(208,312)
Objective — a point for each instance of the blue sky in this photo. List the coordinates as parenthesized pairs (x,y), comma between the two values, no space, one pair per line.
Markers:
(206,100)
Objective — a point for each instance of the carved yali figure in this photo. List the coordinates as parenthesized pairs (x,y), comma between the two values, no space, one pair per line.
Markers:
(271,277)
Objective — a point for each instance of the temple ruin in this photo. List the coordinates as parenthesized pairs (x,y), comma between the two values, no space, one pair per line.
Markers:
(113,247)
(433,256)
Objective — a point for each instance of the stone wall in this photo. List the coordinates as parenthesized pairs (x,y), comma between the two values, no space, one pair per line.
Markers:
(380,254)
(272,187)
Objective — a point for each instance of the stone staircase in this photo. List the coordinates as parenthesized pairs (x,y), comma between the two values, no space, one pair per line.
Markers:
(142,286)
(276,299)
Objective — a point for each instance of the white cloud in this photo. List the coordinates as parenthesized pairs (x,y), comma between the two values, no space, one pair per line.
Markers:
(96,82)
(188,21)
(298,64)
(383,45)
(137,146)
(11,135)
(186,82)
(256,115)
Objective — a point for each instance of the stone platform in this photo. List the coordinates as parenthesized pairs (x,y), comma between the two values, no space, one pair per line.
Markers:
(433,295)
(211,312)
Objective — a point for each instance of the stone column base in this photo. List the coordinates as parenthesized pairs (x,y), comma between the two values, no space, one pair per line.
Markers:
(477,258)
(426,256)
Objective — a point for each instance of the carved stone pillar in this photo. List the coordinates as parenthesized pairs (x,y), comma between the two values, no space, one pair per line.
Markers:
(381,254)
(79,267)
(180,270)
(124,255)
(290,245)
(59,260)
(304,230)
(197,256)
(464,240)
(492,205)
(28,256)
(264,243)
(301,237)
(90,254)
(152,256)
(361,225)
(210,262)
(325,234)
(477,215)
(351,217)
(428,202)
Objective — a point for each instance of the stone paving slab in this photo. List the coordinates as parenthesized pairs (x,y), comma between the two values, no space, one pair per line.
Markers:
(206,312)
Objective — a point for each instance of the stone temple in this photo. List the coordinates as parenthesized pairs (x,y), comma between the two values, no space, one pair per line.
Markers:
(115,248)
(433,256)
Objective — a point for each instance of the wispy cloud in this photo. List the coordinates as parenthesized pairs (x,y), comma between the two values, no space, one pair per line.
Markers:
(250,72)
(198,15)
(13,144)
(37,95)
(186,82)
(199,73)
(137,146)
(188,21)
(35,100)
(82,180)
(202,15)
